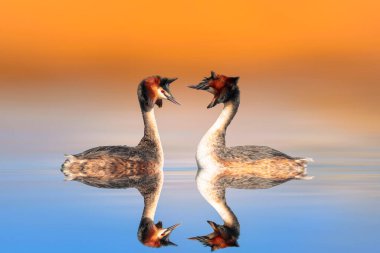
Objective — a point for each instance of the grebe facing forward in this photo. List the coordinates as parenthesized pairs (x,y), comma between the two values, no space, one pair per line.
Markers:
(241,167)
(132,167)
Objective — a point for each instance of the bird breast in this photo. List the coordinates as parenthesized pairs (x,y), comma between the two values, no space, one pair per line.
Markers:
(208,166)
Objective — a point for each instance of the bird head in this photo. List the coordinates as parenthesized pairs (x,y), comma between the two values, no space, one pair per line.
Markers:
(152,90)
(224,88)
(221,237)
(154,235)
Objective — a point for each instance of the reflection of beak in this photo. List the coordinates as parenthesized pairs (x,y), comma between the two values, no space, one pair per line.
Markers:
(213,225)
(220,238)
(166,234)
(169,230)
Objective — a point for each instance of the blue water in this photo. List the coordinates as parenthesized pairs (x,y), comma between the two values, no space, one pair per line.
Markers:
(337,211)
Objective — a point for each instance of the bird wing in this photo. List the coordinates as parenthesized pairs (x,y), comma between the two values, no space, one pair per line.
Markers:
(111,166)
(253,153)
(118,151)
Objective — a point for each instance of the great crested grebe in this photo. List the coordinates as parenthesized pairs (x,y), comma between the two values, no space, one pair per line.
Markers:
(132,167)
(241,167)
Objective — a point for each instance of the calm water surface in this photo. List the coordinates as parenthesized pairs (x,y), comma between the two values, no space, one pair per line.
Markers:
(338,211)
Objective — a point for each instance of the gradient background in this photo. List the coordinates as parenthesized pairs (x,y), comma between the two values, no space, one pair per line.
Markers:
(69,70)
(309,71)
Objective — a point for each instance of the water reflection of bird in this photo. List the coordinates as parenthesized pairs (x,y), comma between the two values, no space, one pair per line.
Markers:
(241,167)
(132,167)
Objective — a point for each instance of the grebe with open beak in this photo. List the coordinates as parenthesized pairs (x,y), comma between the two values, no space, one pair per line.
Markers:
(241,167)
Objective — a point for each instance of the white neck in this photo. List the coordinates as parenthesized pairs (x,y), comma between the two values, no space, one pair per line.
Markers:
(150,128)
(213,140)
(216,134)
(225,117)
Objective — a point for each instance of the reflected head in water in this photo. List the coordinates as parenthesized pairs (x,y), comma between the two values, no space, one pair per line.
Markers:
(154,235)
(221,237)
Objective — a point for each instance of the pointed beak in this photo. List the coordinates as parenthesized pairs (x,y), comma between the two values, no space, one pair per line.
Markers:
(165,236)
(218,239)
(213,225)
(201,86)
(171,98)
(169,95)
(169,230)
(170,243)
(213,103)
(206,87)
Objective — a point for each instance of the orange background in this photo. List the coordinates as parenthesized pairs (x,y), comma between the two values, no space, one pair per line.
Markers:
(177,35)
(309,70)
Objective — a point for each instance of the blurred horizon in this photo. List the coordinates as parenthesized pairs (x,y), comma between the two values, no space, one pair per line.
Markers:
(310,73)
